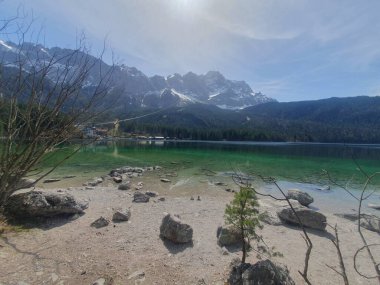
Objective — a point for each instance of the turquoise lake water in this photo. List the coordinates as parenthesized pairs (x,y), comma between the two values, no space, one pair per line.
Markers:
(294,165)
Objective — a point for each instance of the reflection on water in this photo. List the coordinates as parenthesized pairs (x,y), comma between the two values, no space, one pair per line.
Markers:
(288,161)
(115,150)
(345,151)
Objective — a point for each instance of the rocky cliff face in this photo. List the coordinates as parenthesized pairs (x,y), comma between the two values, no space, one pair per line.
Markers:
(135,87)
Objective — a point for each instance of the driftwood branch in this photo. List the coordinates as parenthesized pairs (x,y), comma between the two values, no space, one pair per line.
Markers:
(336,243)
(362,197)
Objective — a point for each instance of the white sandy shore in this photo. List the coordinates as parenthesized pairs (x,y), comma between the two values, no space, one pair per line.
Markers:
(75,253)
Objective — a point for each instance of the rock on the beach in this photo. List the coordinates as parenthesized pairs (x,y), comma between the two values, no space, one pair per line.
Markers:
(51,180)
(309,218)
(228,235)
(116,172)
(100,223)
(138,170)
(260,273)
(323,188)
(125,186)
(374,206)
(224,251)
(174,230)
(370,222)
(271,218)
(103,281)
(121,216)
(83,204)
(140,274)
(25,183)
(100,281)
(151,193)
(95,182)
(42,204)
(117,179)
(304,198)
(139,197)
(350,217)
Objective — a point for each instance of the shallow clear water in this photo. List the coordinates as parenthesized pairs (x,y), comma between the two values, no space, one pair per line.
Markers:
(294,165)
(290,161)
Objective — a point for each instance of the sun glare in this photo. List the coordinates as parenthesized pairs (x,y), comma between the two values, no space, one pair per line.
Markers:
(186,5)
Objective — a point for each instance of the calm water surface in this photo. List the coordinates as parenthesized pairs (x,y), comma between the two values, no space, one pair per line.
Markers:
(289,161)
(294,165)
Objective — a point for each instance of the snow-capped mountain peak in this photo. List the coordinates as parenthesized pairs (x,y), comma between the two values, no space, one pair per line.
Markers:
(139,89)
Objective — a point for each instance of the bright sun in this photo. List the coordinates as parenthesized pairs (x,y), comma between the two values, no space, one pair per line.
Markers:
(187,4)
(184,3)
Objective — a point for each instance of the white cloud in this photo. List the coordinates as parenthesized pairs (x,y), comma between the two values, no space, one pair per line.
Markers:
(270,43)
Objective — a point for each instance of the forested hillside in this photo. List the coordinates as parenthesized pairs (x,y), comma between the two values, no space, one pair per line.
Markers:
(354,120)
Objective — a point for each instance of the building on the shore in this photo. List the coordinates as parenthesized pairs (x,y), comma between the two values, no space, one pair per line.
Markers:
(93,132)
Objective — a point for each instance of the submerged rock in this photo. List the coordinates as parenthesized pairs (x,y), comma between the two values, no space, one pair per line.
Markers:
(174,230)
(42,204)
(302,197)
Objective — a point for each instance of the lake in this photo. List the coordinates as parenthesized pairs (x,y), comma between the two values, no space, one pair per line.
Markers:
(294,165)
(302,162)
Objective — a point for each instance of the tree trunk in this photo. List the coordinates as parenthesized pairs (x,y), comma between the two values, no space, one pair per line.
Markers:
(244,248)
(244,253)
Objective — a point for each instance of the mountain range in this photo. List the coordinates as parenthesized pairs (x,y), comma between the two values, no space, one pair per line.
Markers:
(211,107)
(138,90)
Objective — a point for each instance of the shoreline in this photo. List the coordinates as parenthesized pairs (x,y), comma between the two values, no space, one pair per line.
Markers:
(333,199)
(71,252)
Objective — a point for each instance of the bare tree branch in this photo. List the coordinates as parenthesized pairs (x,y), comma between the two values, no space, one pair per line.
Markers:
(43,102)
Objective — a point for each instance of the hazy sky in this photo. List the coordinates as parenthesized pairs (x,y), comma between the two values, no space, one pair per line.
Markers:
(288,49)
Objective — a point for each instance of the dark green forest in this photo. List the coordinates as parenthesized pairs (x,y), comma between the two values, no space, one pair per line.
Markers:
(340,120)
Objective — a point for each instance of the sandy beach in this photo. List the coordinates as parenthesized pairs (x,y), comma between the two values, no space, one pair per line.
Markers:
(65,251)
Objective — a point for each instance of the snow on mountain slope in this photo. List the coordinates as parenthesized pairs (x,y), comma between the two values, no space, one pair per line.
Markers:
(183,97)
(6,46)
(138,89)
